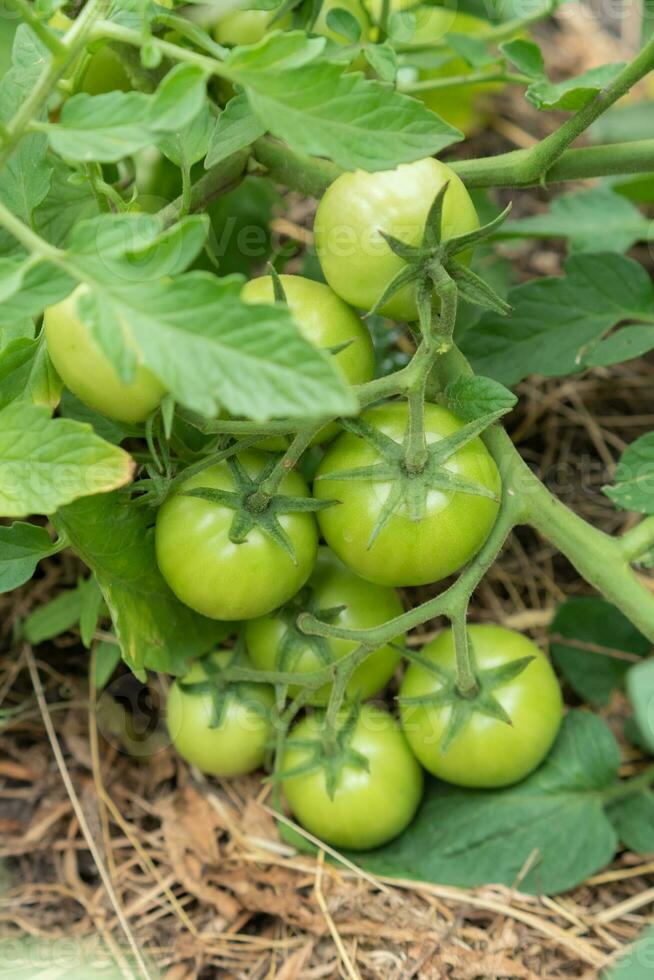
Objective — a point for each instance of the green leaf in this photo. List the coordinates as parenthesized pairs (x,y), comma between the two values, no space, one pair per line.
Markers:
(210,349)
(64,207)
(344,23)
(22,546)
(592,220)
(633,483)
(55,617)
(556,320)
(472,397)
(90,610)
(354,121)
(623,123)
(111,126)
(637,963)
(573,93)
(278,52)
(640,688)
(240,220)
(45,463)
(107,658)
(383,60)
(191,143)
(593,645)
(633,819)
(27,374)
(29,289)
(236,127)
(153,628)
(553,824)
(526,56)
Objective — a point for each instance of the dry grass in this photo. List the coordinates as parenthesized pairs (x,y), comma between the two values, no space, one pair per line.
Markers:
(179,876)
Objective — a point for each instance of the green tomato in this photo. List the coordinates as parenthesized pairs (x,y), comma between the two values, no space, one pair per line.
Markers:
(275,643)
(237,743)
(104,70)
(357,262)
(251,26)
(368,808)
(215,576)
(87,371)
(406,551)
(327,322)
(487,752)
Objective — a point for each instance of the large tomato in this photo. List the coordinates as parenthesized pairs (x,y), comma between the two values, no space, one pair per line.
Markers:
(357,262)
(369,805)
(217,577)
(327,322)
(276,643)
(488,751)
(87,371)
(223,729)
(405,551)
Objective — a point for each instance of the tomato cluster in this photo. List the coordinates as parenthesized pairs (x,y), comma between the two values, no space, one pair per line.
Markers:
(227,558)
(239,540)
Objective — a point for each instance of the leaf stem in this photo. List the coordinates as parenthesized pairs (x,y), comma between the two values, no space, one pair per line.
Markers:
(635,542)
(42,31)
(461,81)
(629,787)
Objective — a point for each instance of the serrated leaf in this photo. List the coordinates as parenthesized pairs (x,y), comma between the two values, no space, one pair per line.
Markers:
(236,127)
(592,220)
(154,629)
(210,349)
(553,824)
(354,121)
(114,125)
(64,206)
(633,483)
(573,93)
(556,320)
(22,546)
(279,51)
(593,645)
(45,463)
(472,397)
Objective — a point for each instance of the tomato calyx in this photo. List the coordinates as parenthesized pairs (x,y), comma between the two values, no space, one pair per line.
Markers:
(254,508)
(432,267)
(221,690)
(463,705)
(410,485)
(294,643)
(331,752)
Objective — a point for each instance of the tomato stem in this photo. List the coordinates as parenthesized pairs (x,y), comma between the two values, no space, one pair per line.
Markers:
(638,540)
(466,682)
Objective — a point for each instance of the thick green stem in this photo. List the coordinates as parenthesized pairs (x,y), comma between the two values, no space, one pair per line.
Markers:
(220,179)
(629,787)
(261,498)
(415,453)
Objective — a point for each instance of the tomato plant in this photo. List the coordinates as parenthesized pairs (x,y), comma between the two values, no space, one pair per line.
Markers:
(365,792)
(499,735)
(223,557)
(276,642)
(359,208)
(152,161)
(399,528)
(87,371)
(221,727)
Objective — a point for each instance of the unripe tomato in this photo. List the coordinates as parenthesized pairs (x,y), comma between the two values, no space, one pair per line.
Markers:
(368,808)
(215,576)
(327,322)
(405,551)
(276,644)
(105,71)
(357,262)
(251,26)
(237,744)
(487,752)
(87,371)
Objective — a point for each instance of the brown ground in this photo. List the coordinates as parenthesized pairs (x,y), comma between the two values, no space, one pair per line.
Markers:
(104,852)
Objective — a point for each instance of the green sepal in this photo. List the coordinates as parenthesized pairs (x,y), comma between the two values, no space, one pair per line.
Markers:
(475,290)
